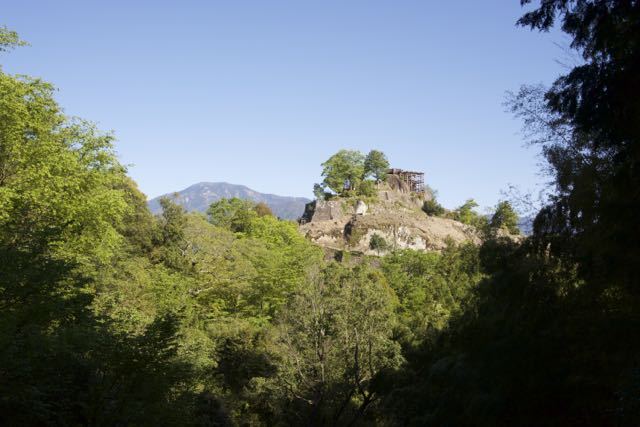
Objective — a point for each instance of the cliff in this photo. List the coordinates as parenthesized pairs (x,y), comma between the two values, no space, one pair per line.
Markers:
(395,215)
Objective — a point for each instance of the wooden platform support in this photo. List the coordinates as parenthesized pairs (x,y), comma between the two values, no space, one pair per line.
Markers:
(414,180)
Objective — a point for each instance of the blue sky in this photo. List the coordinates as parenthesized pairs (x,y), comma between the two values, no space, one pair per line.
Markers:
(261,92)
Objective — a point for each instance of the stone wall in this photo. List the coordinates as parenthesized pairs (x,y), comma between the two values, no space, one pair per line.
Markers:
(330,210)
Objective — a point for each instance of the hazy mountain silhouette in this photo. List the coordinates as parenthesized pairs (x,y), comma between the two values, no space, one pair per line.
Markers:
(199,196)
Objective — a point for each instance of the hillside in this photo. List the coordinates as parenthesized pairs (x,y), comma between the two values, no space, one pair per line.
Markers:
(199,196)
(395,216)
(379,307)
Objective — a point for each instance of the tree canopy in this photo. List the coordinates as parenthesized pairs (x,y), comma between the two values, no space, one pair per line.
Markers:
(505,216)
(233,214)
(376,165)
(112,316)
(343,171)
(586,123)
(9,39)
(347,171)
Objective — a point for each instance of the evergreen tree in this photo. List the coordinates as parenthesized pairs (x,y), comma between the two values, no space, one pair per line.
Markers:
(505,216)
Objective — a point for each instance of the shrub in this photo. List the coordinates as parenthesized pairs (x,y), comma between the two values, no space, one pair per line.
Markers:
(378,243)
(367,189)
(505,217)
(262,209)
(433,208)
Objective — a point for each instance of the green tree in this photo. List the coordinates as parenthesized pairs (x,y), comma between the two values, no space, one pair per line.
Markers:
(378,243)
(585,123)
(318,191)
(233,214)
(334,341)
(343,171)
(250,274)
(139,227)
(432,288)
(60,183)
(376,165)
(520,345)
(171,245)
(9,39)
(66,211)
(367,189)
(505,216)
(465,213)
(432,208)
(69,216)
(172,222)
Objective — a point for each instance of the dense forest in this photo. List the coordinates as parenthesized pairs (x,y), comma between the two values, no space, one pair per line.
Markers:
(111,316)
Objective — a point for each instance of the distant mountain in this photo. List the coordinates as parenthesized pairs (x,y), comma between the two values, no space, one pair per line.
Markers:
(199,196)
(525,224)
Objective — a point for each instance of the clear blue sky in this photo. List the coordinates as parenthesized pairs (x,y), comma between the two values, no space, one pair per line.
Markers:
(261,92)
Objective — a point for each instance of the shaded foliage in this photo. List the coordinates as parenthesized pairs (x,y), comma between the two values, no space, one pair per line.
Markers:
(505,217)
(550,337)
(110,316)
(432,208)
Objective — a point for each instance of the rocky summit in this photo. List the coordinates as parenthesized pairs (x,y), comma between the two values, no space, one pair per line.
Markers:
(392,220)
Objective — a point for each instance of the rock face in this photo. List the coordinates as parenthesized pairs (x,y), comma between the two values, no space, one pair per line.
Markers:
(396,184)
(321,210)
(347,224)
(361,208)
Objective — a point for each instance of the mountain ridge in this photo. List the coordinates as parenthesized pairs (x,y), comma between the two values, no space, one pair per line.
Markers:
(198,197)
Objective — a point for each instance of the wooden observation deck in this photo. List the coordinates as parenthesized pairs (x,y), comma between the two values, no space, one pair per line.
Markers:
(414,180)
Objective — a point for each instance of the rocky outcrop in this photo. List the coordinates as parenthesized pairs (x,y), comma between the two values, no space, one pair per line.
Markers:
(396,184)
(361,208)
(396,216)
(322,210)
